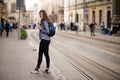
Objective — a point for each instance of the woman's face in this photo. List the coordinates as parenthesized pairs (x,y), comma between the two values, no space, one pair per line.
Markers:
(41,15)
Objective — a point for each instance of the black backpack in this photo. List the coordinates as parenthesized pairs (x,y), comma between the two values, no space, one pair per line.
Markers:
(51,30)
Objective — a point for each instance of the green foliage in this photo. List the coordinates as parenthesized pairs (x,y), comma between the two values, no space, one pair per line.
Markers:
(23,33)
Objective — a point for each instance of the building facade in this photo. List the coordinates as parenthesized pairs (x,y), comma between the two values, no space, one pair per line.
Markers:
(13,13)
(29,17)
(100,11)
(116,12)
(54,8)
(36,13)
(87,11)
(3,9)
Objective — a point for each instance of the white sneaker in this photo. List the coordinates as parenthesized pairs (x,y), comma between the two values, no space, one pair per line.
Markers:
(35,71)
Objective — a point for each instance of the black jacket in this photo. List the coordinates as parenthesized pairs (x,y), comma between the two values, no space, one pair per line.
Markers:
(7,26)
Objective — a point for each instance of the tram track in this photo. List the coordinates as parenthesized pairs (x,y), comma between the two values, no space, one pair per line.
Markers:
(77,68)
(66,59)
(89,61)
(80,71)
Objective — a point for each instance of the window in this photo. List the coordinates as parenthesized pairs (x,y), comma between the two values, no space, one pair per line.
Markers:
(93,16)
(1,1)
(13,7)
(100,16)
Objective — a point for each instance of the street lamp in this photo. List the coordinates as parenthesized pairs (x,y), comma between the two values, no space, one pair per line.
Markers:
(76,15)
(84,27)
(85,15)
(19,5)
(69,11)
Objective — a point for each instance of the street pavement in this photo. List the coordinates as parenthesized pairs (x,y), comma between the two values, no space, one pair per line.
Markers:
(17,57)
(17,60)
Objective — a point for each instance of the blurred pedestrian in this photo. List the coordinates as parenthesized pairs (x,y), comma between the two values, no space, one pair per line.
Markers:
(16,26)
(29,25)
(44,43)
(34,25)
(76,26)
(1,25)
(72,26)
(7,28)
(11,26)
(92,29)
(1,28)
(55,24)
(102,26)
(62,26)
(66,26)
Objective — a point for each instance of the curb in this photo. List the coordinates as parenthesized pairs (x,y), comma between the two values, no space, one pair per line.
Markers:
(96,38)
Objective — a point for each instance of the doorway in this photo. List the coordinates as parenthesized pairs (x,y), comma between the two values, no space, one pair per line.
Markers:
(108,19)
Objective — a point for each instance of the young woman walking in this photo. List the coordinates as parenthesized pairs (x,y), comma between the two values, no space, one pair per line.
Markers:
(45,41)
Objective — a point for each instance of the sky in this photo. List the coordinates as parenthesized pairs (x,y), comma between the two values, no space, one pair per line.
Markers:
(30,3)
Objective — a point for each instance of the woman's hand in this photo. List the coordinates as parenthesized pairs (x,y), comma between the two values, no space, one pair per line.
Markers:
(39,27)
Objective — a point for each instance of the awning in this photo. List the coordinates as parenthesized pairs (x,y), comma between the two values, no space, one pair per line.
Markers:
(11,18)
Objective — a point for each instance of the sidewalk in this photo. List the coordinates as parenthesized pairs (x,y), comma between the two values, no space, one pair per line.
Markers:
(17,59)
(105,38)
